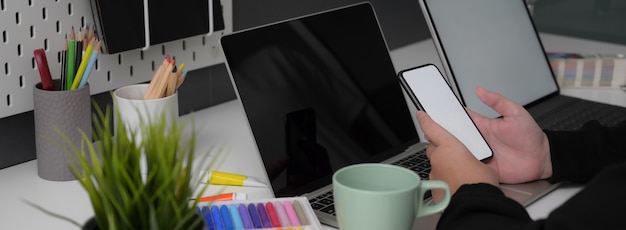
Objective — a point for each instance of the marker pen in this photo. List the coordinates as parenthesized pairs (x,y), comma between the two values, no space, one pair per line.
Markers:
(300,213)
(282,214)
(291,213)
(271,212)
(254,216)
(234,214)
(228,220)
(206,213)
(245,216)
(265,219)
(224,197)
(217,218)
(224,178)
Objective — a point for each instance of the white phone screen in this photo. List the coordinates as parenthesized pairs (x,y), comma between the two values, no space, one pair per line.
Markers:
(430,92)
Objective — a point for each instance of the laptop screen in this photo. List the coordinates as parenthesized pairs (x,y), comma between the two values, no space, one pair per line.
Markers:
(320,92)
(493,44)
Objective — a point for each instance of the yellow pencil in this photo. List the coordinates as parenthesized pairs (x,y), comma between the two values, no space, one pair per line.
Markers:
(83,65)
(181,78)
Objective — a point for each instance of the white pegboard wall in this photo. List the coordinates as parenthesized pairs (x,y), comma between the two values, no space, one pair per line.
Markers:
(26,25)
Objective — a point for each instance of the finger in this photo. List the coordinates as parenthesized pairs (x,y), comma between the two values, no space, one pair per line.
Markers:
(497,102)
(436,134)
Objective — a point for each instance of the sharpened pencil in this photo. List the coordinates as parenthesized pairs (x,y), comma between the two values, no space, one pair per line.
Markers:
(159,90)
(71,59)
(155,78)
(79,51)
(83,65)
(63,65)
(90,64)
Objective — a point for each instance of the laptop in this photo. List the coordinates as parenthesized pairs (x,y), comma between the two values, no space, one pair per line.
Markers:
(494,44)
(320,92)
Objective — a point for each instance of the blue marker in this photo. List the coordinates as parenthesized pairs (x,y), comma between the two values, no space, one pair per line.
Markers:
(234,213)
(254,216)
(228,220)
(245,216)
(206,213)
(217,219)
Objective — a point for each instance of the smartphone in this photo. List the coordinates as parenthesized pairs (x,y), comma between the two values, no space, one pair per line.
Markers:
(430,93)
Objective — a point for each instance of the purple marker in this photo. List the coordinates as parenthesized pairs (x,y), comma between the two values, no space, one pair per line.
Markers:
(254,216)
(265,219)
(245,216)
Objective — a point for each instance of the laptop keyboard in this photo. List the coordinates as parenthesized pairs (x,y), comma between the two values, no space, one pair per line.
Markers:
(573,117)
(418,162)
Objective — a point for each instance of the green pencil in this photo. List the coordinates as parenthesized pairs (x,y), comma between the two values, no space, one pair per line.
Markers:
(71,59)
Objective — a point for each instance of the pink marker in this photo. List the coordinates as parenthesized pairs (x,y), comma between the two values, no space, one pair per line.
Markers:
(282,214)
(291,213)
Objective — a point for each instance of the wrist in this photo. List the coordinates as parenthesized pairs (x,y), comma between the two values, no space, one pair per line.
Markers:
(547,159)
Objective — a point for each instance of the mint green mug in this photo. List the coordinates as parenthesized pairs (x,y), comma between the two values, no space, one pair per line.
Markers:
(382,196)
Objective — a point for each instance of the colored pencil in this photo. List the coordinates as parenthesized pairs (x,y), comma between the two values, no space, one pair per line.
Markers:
(155,78)
(79,52)
(83,65)
(63,65)
(92,60)
(71,59)
(159,90)
(171,82)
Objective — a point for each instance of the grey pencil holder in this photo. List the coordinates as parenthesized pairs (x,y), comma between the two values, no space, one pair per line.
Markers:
(56,112)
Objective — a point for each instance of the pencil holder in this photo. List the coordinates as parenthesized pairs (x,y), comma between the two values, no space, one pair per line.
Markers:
(133,108)
(58,114)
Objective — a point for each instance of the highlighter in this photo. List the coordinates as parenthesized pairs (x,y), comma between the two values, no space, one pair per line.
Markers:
(224,178)
(224,197)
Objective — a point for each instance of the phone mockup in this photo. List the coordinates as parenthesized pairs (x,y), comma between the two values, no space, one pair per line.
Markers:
(430,93)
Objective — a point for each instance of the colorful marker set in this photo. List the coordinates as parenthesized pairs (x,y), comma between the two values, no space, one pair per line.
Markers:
(279,213)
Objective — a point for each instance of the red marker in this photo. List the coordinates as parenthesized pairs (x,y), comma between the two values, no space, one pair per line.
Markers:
(271,212)
(44,71)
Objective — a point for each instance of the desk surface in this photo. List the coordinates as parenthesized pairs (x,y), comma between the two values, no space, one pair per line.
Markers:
(221,124)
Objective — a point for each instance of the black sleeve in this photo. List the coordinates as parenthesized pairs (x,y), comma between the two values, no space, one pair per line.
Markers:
(482,206)
(579,155)
(598,206)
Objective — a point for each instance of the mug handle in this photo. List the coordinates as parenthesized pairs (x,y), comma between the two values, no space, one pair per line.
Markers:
(422,208)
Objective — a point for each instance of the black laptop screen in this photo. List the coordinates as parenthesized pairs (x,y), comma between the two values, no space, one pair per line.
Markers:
(320,92)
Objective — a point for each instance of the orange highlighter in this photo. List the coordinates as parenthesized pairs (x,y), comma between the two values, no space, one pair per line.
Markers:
(224,197)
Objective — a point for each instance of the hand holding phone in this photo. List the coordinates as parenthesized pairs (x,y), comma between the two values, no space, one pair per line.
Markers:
(430,93)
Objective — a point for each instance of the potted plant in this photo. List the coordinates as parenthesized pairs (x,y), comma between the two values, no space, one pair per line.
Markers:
(122,197)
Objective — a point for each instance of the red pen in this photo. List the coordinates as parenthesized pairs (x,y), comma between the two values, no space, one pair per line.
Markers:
(44,71)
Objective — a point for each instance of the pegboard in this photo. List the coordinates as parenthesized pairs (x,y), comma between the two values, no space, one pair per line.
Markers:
(26,25)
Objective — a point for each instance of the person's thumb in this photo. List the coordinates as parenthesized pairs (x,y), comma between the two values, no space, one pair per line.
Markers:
(433,132)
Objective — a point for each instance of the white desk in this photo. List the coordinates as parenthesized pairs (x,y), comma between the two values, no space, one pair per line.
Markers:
(220,124)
